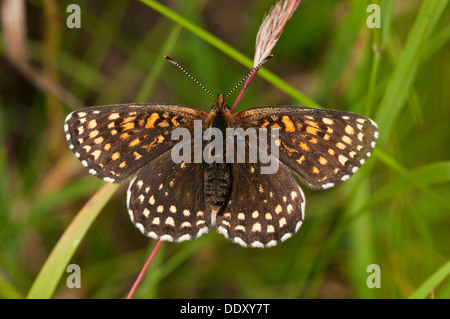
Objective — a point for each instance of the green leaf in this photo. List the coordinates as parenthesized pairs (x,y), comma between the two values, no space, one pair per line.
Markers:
(401,81)
(432,282)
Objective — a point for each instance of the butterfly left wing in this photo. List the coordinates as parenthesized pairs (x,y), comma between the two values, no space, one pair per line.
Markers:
(166,200)
(323,147)
(115,141)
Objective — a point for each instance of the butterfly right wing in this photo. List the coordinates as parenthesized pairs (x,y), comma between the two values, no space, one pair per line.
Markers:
(115,141)
(263,209)
(323,147)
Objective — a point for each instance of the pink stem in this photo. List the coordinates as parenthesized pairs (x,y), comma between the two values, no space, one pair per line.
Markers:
(144,269)
(244,88)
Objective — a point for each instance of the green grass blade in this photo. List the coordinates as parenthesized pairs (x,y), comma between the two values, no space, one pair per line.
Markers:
(7,290)
(230,51)
(401,81)
(55,265)
(432,282)
(421,178)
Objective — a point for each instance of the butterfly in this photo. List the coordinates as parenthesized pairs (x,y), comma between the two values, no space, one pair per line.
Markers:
(181,201)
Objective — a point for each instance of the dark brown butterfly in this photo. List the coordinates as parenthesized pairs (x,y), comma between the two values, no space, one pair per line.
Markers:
(176,202)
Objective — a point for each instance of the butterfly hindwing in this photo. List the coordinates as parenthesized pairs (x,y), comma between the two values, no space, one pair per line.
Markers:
(166,200)
(263,209)
(115,141)
(323,147)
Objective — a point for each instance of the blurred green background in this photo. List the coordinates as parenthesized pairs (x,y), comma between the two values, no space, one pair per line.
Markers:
(394,212)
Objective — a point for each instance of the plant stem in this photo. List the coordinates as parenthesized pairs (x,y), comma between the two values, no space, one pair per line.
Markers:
(144,269)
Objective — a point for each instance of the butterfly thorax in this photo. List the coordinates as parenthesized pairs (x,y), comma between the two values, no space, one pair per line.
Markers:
(220,116)
(217,176)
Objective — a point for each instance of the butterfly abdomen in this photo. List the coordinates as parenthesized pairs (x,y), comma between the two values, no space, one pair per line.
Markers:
(217,184)
(217,179)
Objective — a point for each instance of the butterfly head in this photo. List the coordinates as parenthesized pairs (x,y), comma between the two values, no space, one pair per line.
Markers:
(220,115)
(220,105)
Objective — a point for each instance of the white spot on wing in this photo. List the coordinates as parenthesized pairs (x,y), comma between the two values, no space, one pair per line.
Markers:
(166,238)
(328,185)
(257,244)
(239,241)
(109,180)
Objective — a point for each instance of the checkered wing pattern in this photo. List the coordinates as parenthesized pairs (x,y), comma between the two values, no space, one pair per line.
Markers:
(166,200)
(264,209)
(115,141)
(323,147)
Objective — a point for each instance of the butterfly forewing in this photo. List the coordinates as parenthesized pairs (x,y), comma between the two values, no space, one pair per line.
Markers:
(264,209)
(114,142)
(166,200)
(323,147)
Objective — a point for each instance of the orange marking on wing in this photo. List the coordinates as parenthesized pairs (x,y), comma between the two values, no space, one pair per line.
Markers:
(135,142)
(123,164)
(164,124)
(315,124)
(323,160)
(128,126)
(290,127)
(137,155)
(315,170)
(124,136)
(149,146)
(129,119)
(175,122)
(301,159)
(290,150)
(304,146)
(266,122)
(151,120)
(115,156)
(311,130)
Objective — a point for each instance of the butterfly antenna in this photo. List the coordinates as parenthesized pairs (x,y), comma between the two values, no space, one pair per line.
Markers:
(168,58)
(250,73)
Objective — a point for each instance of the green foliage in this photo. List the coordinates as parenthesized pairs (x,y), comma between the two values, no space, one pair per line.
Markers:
(394,212)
